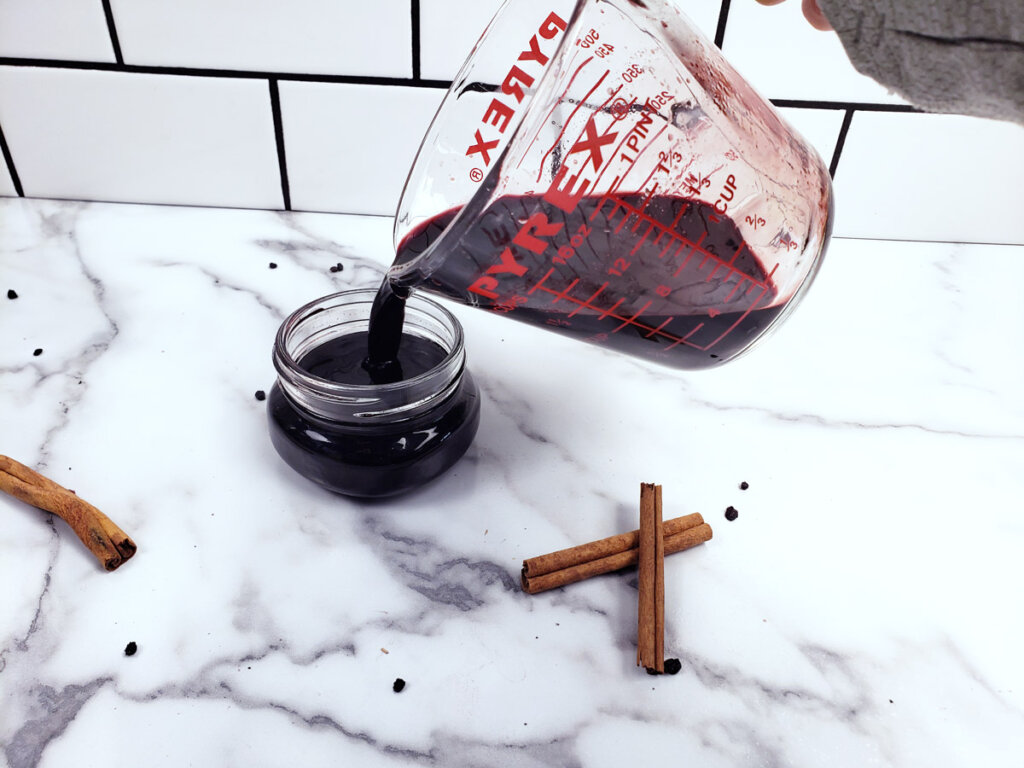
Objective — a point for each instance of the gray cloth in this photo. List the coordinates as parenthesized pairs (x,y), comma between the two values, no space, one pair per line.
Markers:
(960,56)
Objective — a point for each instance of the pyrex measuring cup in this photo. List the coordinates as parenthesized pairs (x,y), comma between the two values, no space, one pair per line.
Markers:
(598,169)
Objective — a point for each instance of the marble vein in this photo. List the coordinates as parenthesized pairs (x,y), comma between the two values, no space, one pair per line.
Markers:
(819,420)
(54,711)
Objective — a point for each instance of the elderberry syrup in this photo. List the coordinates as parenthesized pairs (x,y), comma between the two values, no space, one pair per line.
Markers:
(665,278)
(371,425)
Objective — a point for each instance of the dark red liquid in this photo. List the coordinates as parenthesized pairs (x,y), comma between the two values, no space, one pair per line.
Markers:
(669,279)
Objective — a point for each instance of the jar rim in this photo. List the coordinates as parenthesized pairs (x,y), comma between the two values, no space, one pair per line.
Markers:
(331,399)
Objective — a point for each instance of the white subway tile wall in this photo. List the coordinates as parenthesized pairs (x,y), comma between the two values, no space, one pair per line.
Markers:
(450,28)
(320,105)
(350,147)
(448,32)
(958,176)
(124,136)
(299,36)
(783,57)
(7,188)
(72,30)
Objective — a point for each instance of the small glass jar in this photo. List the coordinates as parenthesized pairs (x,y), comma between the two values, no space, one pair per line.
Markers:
(371,440)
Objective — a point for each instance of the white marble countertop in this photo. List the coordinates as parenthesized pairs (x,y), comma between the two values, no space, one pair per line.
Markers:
(864,609)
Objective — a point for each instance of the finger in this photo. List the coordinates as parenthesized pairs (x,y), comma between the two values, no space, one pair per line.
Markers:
(814,15)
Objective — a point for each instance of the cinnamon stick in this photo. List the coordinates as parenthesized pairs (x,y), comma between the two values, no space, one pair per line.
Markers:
(101,536)
(567,566)
(659,584)
(648,626)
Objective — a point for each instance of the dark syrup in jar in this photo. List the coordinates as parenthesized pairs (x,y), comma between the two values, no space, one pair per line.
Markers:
(345,360)
(383,456)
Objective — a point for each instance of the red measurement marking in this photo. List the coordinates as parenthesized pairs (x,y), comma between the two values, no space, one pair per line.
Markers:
(624,219)
(735,255)
(709,263)
(675,221)
(640,242)
(540,282)
(587,302)
(647,200)
(682,339)
(655,330)
(564,294)
(600,205)
(617,204)
(659,330)
(616,153)
(693,250)
(670,230)
(610,309)
(650,141)
(631,211)
(719,264)
(699,326)
(633,318)
(736,288)
(649,331)
(739,319)
(616,183)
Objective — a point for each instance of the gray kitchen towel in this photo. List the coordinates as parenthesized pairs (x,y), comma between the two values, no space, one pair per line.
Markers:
(959,56)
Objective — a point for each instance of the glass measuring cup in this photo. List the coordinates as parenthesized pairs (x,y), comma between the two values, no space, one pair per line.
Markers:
(598,169)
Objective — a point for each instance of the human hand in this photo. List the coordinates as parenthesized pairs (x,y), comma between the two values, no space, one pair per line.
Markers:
(811,11)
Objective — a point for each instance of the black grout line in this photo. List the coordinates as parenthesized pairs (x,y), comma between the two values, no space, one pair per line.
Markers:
(864,106)
(242,74)
(840,141)
(108,12)
(275,108)
(10,164)
(723,17)
(415,12)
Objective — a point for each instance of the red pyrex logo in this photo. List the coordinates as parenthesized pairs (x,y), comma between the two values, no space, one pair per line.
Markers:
(498,114)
